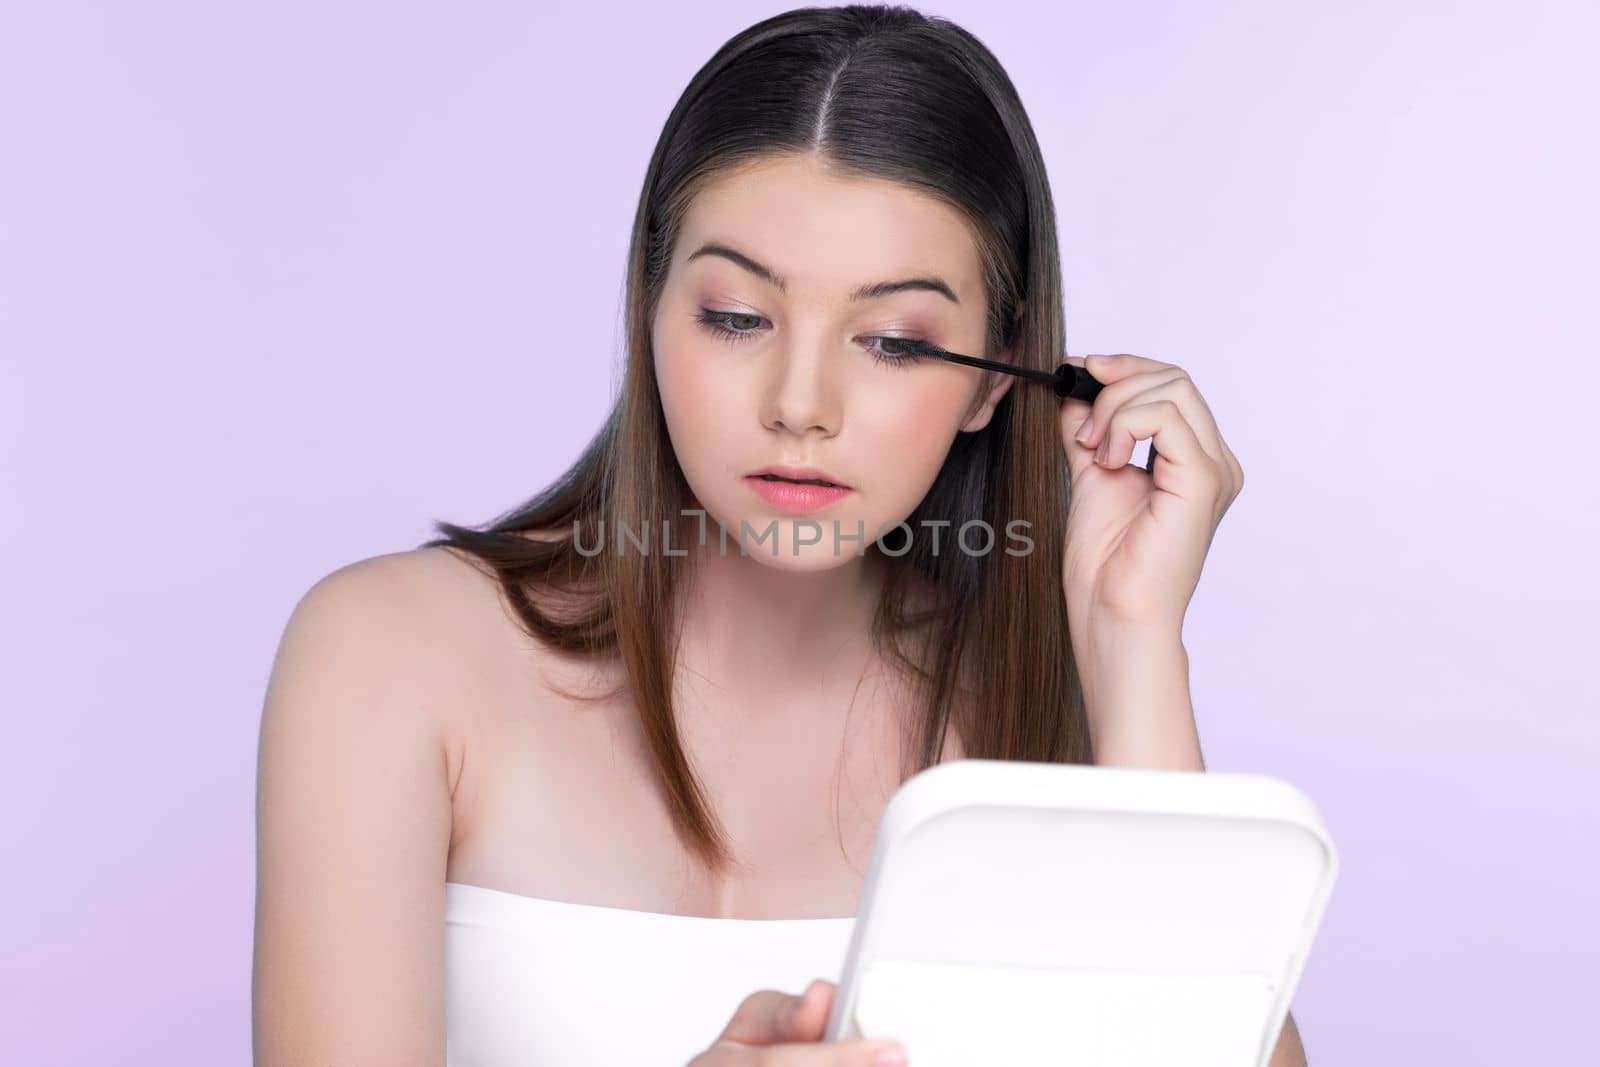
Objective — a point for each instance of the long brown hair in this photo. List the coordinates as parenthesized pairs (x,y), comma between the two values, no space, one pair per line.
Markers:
(882,92)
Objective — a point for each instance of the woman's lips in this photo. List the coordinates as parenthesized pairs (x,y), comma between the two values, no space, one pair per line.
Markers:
(796,496)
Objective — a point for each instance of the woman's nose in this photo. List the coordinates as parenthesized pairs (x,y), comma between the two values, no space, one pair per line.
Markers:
(803,388)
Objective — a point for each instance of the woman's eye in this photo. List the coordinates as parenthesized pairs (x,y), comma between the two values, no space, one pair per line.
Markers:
(895,351)
(728,325)
(739,326)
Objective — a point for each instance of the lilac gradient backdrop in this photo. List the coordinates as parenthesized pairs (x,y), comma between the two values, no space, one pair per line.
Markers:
(280,283)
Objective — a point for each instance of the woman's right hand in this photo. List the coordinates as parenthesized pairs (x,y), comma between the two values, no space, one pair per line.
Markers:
(773,1029)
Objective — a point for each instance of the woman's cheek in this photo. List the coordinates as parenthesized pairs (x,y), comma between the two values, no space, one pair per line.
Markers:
(907,434)
(713,444)
(687,408)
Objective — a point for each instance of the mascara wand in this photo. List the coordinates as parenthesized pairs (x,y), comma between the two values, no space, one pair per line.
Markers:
(1068,380)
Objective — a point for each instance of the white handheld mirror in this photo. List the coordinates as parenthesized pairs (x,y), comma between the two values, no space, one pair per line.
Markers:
(1022,912)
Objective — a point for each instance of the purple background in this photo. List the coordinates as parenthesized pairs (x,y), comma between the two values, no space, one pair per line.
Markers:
(280,283)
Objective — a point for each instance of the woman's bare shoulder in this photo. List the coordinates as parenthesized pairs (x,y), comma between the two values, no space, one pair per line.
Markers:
(418,590)
(444,578)
(455,602)
(391,620)
(442,596)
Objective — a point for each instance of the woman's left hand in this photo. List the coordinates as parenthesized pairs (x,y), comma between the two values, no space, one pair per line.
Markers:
(1136,539)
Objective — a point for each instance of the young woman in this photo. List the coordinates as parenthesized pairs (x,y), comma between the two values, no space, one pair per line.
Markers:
(594,783)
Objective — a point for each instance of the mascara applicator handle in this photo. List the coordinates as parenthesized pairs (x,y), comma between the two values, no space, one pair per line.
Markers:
(1073,382)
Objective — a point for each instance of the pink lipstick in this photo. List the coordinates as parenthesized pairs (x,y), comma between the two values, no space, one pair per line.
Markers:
(797,489)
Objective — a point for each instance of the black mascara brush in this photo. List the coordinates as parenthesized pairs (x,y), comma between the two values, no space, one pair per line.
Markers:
(1068,380)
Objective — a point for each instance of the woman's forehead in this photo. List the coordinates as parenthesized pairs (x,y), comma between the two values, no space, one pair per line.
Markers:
(812,228)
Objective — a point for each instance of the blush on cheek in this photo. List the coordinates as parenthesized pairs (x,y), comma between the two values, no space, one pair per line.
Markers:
(921,434)
(913,410)
(688,393)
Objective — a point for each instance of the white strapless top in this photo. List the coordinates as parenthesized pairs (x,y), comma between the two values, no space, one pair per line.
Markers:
(532,982)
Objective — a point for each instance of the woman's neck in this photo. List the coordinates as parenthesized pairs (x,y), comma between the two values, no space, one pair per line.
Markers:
(751,626)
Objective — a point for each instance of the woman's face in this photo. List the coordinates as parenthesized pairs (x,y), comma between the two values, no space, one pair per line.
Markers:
(758,371)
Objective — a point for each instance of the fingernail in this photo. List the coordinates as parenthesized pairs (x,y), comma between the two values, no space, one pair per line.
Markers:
(894,1056)
(1086,430)
(1103,451)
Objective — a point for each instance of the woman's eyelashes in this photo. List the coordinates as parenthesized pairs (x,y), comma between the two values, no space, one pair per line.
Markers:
(720,323)
(730,326)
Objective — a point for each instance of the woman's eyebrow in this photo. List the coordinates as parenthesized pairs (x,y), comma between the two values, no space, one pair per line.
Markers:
(865,292)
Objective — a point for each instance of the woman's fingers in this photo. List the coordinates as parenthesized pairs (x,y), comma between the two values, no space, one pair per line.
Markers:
(763,1017)
(808,1016)
(1135,380)
(774,1029)
(1073,412)
(832,1054)
(1160,420)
